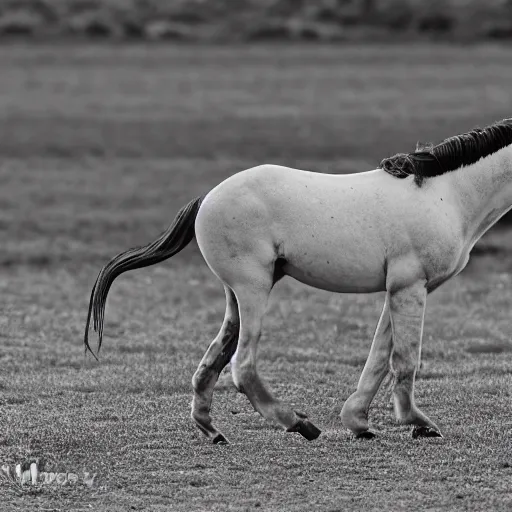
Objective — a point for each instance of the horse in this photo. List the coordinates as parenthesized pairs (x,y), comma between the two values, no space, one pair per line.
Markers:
(404,229)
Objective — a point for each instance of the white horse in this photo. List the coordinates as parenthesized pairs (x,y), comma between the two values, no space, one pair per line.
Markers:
(356,233)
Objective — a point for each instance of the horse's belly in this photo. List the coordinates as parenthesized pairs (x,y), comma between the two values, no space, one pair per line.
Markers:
(342,276)
(328,252)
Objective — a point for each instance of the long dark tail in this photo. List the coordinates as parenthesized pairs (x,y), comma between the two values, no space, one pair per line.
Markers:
(172,241)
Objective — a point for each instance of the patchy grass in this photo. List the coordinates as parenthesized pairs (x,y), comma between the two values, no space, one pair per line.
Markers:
(101,147)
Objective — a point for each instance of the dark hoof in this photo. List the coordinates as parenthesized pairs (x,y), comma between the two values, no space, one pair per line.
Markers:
(425,432)
(367,434)
(306,429)
(220,439)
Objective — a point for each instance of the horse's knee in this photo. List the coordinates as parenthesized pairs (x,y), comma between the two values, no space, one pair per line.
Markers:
(404,364)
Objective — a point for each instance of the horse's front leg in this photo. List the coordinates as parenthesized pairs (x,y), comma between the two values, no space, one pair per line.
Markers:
(407,310)
(354,414)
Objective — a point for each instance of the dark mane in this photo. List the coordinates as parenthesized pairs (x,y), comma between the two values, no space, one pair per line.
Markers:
(451,154)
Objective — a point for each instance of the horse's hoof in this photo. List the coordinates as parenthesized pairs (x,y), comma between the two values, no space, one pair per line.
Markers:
(306,429)
(220,439)
(367,434)
(425,432)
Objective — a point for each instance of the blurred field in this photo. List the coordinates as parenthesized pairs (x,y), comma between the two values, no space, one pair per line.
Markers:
(100,147)
(256,20)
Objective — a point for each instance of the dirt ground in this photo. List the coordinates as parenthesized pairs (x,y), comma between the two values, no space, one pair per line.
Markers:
(101,145)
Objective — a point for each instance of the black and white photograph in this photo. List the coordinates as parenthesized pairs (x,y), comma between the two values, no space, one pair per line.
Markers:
(255,255)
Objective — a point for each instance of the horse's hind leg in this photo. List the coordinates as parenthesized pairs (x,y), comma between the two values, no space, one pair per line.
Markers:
(217,356)
(252,301)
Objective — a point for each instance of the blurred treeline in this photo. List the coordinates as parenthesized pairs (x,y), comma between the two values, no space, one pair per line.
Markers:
(251,20)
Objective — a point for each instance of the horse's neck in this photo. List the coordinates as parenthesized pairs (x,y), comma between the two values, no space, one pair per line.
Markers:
(484,191)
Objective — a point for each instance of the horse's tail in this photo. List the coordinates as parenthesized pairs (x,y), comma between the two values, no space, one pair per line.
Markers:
(172,241)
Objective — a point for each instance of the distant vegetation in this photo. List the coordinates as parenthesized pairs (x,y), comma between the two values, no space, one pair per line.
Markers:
(254,20)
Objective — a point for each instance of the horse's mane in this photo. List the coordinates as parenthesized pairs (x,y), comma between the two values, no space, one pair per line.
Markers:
(451,154)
